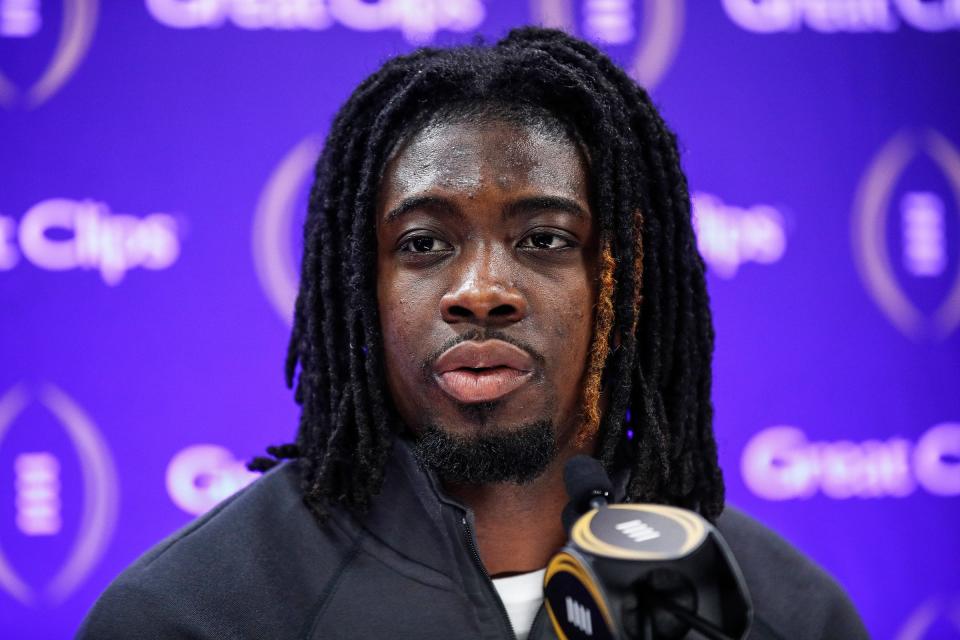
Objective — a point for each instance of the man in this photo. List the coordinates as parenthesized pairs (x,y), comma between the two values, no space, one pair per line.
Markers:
(499,273)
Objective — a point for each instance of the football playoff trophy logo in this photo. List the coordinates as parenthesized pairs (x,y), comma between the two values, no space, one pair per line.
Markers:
(22,19)
(936,617)
(37,488)
(897,274)
(275,223)
(652,42)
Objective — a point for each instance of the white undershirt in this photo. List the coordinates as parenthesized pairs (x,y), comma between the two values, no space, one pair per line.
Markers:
(522,596)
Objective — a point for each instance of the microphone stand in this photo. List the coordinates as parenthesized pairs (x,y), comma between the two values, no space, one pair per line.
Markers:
(705,627)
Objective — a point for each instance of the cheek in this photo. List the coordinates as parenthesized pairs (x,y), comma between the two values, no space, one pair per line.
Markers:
(405,313)
(573,332)
(577,334)
(391,310)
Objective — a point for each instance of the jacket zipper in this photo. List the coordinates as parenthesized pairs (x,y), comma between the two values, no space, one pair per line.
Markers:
(535,628)
(493,591)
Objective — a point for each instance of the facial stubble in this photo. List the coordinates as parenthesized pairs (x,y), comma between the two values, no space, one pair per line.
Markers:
(516,454)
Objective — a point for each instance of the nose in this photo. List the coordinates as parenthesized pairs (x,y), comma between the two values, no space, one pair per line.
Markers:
(483,294)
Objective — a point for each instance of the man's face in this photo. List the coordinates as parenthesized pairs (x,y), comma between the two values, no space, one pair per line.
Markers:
(486,281)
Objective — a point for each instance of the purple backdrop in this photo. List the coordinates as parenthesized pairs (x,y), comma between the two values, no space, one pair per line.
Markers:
(153,165)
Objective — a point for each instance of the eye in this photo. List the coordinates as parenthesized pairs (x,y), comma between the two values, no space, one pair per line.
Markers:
(424,244)
(545,240)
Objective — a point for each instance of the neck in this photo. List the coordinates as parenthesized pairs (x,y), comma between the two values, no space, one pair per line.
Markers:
(518,527)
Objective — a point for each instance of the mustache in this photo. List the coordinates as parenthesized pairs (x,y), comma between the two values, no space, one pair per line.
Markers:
(479,335)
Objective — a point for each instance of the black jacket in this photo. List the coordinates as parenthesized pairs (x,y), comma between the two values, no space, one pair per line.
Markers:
(259,566)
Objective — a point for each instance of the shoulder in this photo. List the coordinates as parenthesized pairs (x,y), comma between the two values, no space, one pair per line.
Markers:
(792,596)
(258,562)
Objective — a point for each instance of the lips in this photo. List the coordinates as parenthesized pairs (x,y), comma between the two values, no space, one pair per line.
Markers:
(482,371)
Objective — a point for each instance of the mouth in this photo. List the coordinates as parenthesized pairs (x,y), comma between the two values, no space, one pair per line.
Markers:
(472,372)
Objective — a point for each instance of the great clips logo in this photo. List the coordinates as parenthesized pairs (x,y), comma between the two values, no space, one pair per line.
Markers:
(774,16)
(906,233)
(61,234)
(33,420)
(780,463)
(23,20)
(642,35)
(201,475)
(729,236)
(418,20)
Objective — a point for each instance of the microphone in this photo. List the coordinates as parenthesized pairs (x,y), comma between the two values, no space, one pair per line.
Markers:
(643,571)
(588,486)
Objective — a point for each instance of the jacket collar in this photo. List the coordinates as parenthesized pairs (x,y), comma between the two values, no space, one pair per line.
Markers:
(412,515)
(415,517)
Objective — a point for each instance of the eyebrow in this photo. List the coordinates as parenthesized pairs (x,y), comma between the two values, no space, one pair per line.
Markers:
(536,204)
(521,207)
(433,203)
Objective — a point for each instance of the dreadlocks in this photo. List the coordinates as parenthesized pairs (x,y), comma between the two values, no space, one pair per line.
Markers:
(654,367)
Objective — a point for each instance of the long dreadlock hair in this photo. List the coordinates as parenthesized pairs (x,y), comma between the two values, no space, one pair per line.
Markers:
(654,366)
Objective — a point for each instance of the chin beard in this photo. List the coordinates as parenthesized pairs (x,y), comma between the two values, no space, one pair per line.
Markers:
(518,455)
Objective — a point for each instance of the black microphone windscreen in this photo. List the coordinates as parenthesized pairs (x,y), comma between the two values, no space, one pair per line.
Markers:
(585,478)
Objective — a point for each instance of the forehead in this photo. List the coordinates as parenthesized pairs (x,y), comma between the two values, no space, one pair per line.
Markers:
(474,158)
